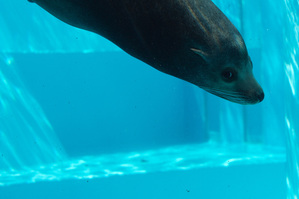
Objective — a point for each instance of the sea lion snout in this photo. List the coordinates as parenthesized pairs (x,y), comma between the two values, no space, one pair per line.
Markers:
(260,96)
(256,93)
(255,96)
(236,84)
(252,92)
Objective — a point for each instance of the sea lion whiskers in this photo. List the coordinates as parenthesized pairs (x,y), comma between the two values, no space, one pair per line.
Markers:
(224,92)
(227,94)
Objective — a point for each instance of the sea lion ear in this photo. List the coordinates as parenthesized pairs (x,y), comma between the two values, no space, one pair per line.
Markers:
(201,53)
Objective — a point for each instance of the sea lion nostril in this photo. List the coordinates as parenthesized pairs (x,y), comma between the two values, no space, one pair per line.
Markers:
(261,96)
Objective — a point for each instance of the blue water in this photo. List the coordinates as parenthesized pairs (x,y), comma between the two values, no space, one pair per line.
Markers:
(75,108)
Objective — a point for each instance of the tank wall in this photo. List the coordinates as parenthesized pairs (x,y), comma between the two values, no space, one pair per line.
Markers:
(100,100)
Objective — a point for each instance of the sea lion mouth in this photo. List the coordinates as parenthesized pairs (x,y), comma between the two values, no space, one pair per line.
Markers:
(238,97)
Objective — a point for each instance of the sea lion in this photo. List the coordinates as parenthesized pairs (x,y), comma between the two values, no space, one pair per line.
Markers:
(189,39)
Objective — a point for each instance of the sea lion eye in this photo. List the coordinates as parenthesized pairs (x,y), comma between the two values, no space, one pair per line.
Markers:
(229,75)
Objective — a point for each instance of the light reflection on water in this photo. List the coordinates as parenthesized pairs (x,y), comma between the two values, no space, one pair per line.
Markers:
(292,106)
(184,157)
(24,129)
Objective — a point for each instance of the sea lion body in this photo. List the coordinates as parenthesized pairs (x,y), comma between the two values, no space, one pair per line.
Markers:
(189,39)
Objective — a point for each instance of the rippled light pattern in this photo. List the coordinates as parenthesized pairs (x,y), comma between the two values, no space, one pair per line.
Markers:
(26,136)
(291,35)
(173,158)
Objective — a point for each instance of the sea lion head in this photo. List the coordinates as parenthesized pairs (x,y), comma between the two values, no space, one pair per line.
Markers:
(212,54)
(228,73)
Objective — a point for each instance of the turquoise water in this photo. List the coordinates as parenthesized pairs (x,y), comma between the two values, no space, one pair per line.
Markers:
(75,107)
